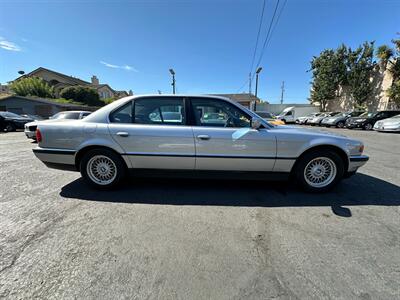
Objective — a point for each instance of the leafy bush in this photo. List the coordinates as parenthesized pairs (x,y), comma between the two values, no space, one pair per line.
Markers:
(394,92)
(82,94)
(32,86)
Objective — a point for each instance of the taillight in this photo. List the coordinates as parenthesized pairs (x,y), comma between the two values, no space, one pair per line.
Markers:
(38,136)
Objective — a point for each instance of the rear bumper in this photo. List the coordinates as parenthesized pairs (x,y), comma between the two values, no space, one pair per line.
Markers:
(357,161)
(56,158)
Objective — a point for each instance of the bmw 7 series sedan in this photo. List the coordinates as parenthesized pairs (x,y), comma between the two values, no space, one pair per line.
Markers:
(198,135)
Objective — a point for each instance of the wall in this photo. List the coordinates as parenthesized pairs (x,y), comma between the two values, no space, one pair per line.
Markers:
(278,108)
(381,81)
(22,106)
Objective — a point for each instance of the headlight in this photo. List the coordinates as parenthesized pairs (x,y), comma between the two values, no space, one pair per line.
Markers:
(360,120)
(355,149)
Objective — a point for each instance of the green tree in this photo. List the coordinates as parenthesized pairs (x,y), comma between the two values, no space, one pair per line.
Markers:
(82,94)
(394,92)
(32,86)
(360,64)
(329,71)
(384,53)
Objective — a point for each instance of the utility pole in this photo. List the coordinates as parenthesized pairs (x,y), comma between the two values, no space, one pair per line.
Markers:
(250,83)
(282,91)
(173,80)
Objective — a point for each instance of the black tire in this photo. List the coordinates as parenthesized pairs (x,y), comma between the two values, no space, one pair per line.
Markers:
(340,124)
(307,158)
(10,127)
(368,126)
(120,168)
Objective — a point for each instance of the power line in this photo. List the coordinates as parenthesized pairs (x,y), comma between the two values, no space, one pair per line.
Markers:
(258,36)
(248,81)
(268,34)
(270,31)
(277,21)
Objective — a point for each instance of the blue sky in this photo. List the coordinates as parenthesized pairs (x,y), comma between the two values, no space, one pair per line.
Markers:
(209,43)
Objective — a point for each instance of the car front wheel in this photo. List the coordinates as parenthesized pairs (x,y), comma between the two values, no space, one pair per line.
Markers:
(10,127)
(368,126)
(340,125)
(102,168)
(319,171)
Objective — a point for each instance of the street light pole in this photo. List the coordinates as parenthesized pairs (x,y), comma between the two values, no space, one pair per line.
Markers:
(257,72)
(173,80)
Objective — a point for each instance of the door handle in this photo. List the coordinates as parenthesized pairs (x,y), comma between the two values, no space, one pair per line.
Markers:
(203,137)
(122,133)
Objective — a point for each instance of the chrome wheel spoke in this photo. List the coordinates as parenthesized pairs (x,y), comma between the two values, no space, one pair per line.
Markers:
(101,169)
(320,172)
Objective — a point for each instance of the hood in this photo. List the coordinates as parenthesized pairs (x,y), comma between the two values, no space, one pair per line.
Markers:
(390,121)
(21,119)
(307,131)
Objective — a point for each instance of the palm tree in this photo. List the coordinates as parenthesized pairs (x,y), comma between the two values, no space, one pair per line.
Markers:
(384,53)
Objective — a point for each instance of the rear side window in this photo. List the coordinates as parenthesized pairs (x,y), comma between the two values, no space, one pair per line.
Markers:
(165,111)
(122,114)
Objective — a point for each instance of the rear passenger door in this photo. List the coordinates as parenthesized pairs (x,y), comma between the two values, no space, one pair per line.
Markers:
(153,133)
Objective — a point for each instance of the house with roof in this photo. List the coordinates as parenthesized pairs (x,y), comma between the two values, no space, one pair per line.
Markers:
(59,81)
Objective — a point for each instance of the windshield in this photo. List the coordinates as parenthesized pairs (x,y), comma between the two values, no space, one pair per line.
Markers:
(368,114)
(66,115)
(8,114)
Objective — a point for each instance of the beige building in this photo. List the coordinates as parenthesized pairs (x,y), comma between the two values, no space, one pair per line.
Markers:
(59,81)
(379,100)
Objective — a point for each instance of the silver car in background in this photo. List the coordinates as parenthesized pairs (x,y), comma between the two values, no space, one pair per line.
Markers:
(391,124)
(30,128)
(198,135)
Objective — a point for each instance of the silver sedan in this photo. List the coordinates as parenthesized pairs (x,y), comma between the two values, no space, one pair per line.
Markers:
(169,135)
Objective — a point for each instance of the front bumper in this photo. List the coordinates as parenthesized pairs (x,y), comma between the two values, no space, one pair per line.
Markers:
(357,161)
(30,134)
(391,128)
(355,125)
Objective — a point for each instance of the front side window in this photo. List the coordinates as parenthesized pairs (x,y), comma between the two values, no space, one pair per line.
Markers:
(122,114)
(162,110)
(218,113)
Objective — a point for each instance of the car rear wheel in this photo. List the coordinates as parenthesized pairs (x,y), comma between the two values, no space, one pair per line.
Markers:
(368,126)
(340,124)
(319,171)
(102,168)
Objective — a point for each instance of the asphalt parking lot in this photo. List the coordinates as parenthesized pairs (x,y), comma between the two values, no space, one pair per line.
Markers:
(199,239)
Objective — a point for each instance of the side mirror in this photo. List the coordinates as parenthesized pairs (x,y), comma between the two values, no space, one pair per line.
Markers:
(256,123)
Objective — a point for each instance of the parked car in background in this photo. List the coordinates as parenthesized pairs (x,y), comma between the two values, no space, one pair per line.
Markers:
(126,135)
(30,127)
(367,120)
(13,121)
(390,124)
(267,116)
(304,119)
(290,114)
(318,119)
(33,117)
(339,120)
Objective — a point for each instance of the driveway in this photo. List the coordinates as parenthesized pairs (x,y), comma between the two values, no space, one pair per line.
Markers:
(199,239)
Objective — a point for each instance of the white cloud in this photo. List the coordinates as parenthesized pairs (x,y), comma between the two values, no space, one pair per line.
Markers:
(7,45)
(124,67)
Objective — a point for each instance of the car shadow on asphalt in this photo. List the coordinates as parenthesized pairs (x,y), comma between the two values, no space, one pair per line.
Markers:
(360,189)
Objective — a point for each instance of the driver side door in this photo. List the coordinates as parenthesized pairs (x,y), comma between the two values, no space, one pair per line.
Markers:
(224,139)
